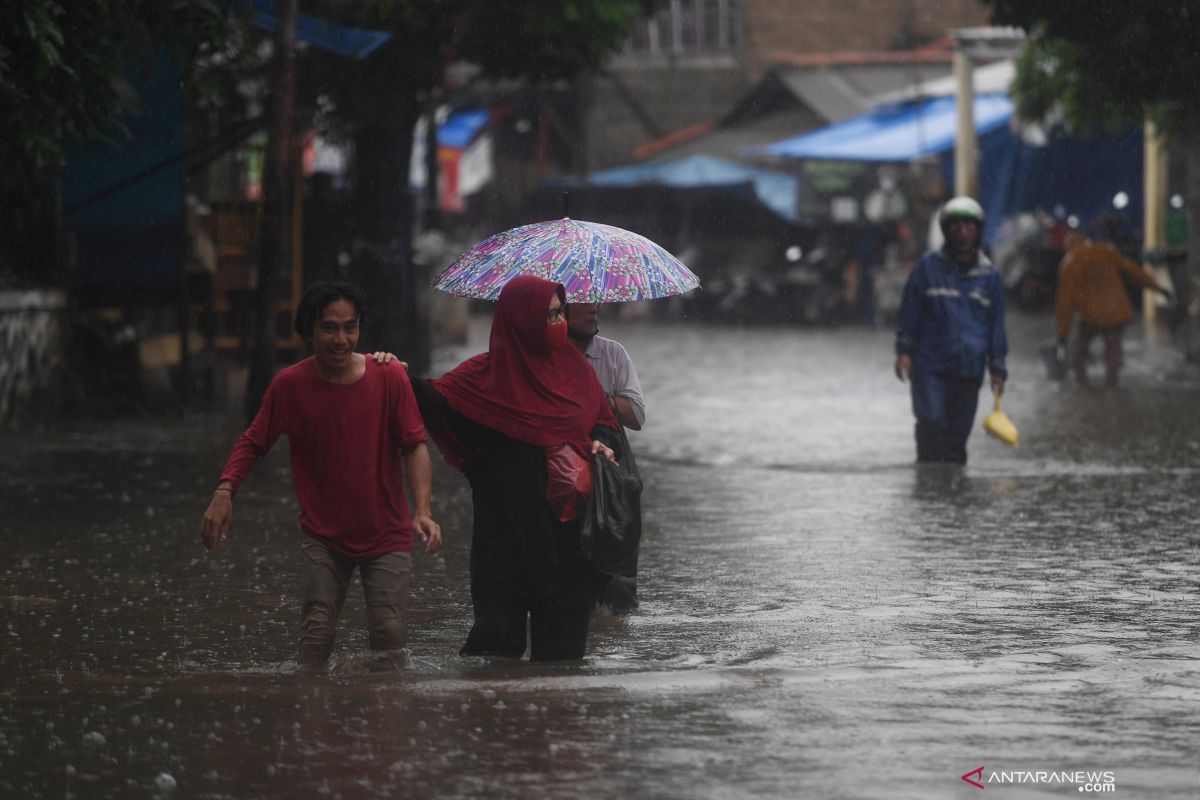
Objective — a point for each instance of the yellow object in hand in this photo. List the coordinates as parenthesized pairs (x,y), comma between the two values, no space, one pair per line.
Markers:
(999,425)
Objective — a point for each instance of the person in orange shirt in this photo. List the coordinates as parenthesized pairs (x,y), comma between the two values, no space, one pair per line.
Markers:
(1090,284)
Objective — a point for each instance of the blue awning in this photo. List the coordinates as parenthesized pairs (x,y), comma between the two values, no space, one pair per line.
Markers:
(776,190)
(894,133)
(341,39)
(461,127)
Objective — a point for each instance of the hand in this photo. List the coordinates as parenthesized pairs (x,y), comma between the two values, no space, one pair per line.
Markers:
(214,525)
(903,366)
(997,385)
(429,531)
(599,447)
(380,357)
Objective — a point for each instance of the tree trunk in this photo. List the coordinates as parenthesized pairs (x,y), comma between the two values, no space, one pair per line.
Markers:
(397,319)
(275,238)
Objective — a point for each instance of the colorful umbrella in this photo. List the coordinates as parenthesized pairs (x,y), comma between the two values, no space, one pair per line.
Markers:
(595,263)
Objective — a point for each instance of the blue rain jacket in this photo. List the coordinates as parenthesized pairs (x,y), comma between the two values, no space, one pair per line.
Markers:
(951,321)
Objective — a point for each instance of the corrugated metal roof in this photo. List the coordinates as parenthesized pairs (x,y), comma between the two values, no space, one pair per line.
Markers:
(839,92)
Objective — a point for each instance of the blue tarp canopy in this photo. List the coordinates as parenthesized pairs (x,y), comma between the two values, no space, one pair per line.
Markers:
(319,32)
(893,133)
(461,127)
(1073,174)
(775,190)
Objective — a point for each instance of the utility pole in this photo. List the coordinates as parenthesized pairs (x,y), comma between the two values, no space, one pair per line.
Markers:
(966,158)
(275,235)
(971,45)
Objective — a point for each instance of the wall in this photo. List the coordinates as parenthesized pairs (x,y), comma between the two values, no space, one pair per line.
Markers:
(33,338)
(825,26)
(673,93)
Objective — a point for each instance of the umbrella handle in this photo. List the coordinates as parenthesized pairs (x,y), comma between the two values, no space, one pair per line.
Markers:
(997,396)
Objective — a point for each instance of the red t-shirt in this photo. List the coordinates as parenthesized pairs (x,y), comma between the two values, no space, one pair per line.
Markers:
(347,444)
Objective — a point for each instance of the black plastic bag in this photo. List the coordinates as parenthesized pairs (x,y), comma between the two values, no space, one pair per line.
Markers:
(612,523)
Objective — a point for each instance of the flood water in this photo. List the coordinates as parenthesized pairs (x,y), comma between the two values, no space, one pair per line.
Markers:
(820,618)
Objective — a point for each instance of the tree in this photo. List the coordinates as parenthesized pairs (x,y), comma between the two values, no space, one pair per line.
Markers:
(1109,62)
(379,100)
(62,77)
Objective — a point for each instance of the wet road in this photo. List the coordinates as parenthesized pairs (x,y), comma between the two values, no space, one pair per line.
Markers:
(819,617)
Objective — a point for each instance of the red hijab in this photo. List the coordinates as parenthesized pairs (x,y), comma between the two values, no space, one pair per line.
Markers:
(531,384)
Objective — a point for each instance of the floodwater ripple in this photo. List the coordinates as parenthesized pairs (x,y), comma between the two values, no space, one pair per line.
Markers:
(819,617)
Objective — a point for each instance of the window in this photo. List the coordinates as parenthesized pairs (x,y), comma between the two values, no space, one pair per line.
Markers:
(689,27)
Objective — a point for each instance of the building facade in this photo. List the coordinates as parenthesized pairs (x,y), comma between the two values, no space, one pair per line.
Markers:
(691,63)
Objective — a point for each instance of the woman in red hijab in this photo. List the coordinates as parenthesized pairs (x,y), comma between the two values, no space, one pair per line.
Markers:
(496,417)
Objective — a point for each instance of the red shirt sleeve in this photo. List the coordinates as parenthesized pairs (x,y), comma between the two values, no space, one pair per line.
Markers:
(407,426)
(256,441)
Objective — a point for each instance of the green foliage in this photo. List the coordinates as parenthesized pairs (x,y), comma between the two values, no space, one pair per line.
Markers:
(1109,62)
(544,39)
(61,68)
(531,39)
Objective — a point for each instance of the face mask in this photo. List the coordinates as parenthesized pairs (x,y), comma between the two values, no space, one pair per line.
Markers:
(557,335)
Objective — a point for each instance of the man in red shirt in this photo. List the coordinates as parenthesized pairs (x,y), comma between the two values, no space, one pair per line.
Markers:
(354,432)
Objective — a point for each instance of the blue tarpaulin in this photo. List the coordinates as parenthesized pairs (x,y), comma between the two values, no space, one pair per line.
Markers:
(893,133)
(461,127)
(1076,175)
(341,39)
(776,190)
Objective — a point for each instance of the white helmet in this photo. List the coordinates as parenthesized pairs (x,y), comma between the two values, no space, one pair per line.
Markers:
(961,208)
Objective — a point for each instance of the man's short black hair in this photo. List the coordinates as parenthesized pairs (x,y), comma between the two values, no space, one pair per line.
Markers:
(321,294)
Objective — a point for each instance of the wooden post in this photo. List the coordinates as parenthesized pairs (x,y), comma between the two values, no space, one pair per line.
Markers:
(1155,209)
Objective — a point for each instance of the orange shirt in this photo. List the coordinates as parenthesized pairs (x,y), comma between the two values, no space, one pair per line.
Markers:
(1090,283)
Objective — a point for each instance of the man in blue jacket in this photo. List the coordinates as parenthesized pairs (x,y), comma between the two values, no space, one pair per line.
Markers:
(950,329)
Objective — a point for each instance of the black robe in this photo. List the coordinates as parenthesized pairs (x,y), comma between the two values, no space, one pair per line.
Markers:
(524,562)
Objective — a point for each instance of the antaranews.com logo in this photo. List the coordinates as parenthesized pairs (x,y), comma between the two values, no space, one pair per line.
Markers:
(1086,780)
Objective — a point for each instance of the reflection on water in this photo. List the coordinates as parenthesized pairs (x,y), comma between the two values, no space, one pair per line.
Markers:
(819,618)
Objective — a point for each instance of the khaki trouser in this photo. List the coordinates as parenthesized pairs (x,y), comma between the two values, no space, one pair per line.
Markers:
(327,574)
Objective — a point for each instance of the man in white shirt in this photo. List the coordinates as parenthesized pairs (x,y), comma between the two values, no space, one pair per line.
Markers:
(617,375)
(612,363)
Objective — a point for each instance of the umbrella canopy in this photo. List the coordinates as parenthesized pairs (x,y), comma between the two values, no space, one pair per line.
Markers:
(595,263)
